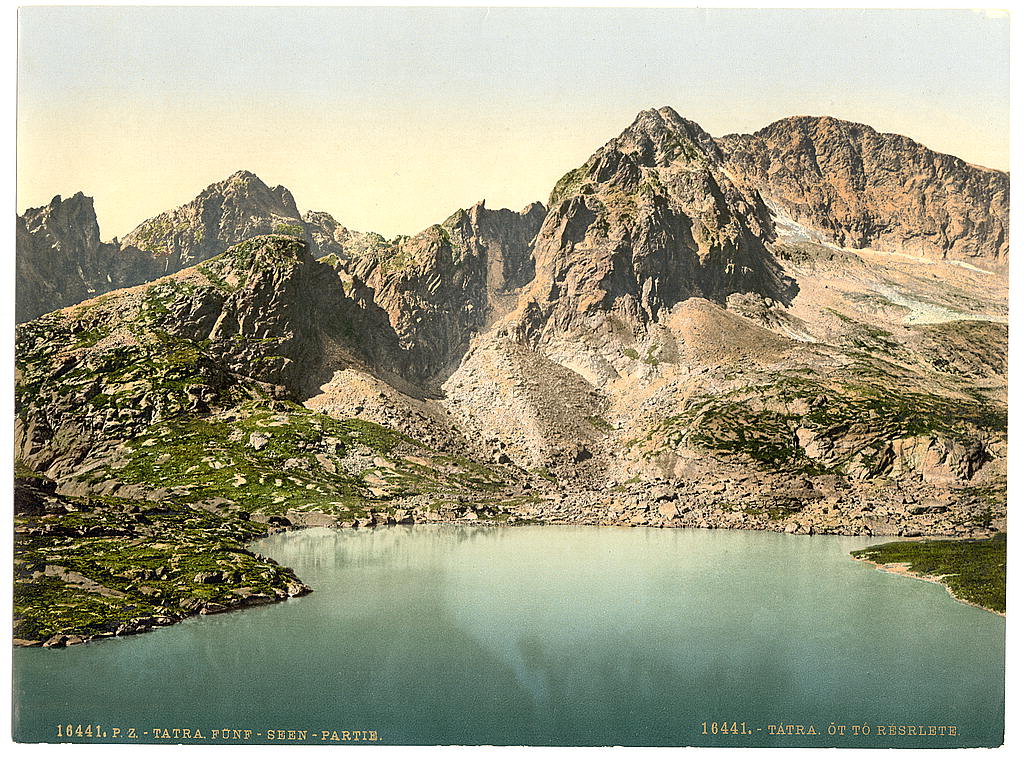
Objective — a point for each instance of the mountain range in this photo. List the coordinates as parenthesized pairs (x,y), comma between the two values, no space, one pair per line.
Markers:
(803,329)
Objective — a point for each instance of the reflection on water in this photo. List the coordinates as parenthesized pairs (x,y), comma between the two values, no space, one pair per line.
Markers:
(552,635)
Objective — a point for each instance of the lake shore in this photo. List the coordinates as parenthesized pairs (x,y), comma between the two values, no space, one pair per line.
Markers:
(973,572)
(96,567)
(903,568)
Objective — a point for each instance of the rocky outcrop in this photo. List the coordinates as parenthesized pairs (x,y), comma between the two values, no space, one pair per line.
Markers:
(335,243)
(650,220)
(861,188)
(327,237)
(269,311)
(450,281)
(265,312)
(61,259)
(225,213)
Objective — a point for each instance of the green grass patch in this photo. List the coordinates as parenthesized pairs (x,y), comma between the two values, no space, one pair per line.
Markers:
(759,422)
(974,569)
(141,561)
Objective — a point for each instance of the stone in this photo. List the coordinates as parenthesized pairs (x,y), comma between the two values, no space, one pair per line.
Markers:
(668,511)
(258,441)
(402,517)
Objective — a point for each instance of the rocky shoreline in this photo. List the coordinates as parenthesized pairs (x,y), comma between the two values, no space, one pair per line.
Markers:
(810,506)
(97,567)
(664,509)
(130,560)
(146,624)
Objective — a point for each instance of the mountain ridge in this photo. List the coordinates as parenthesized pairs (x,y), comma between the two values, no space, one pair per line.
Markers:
(867,189)
(670,342)
(840,205)
(662,305)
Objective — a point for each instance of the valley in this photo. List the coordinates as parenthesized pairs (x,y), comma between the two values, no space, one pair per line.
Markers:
(802,331)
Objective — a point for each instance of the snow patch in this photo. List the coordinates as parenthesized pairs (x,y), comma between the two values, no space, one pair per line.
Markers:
(923,313)
(965,265)
(790,230)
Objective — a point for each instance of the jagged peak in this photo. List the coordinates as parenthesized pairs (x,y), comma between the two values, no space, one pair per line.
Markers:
(657,137)
(78,207)
(79,199)
(661,135)
(76,198)
(250,184)
(246,176)
(241,187)
(324,215)
(322,218)
(243,178)
(480,207)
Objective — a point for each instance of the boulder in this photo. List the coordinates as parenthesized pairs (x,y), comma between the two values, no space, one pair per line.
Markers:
(668,511)
(258,441)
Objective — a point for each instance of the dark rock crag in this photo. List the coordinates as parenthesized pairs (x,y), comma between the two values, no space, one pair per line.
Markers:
(449,282)
(61,260)
(650,220)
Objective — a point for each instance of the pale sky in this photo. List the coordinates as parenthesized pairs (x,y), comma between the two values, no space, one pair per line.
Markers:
(392,118)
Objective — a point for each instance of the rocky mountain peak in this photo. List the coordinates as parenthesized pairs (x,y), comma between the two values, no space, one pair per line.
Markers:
(223,214)
(244,175)
(327,236)
(245,187)
(66,220)
(249,194)
(479,216)
(61,259)
(860,188)
(650,220)
(660,137)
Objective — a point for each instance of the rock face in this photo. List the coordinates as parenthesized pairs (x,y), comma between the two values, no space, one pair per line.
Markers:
(326,235)
(225,213)
(650,220)
(264,311)
(61,260)
(656,321)
(864,189)
(450,281)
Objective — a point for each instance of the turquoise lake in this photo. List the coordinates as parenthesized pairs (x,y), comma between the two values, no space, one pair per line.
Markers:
(550,635)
